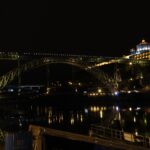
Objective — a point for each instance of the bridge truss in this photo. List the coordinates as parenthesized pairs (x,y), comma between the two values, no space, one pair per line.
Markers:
(91,64)
(102,77)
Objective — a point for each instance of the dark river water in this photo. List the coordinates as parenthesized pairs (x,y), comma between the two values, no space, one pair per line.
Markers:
(76,114)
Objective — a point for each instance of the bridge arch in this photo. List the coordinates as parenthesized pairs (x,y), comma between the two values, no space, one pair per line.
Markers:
(10,76)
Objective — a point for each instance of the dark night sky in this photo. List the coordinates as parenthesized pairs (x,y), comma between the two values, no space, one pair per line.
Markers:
(104,29)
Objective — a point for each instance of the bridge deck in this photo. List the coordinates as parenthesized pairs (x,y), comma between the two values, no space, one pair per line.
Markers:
(38,130)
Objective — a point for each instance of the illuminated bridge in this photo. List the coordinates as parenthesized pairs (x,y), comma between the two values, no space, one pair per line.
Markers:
(27,61)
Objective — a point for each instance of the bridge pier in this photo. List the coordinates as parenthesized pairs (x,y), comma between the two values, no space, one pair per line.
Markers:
(47,75)
(38,138)
(19,71)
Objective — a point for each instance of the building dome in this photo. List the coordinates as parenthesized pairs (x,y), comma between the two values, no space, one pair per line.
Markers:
(142,51)
(142,47)
(143,42)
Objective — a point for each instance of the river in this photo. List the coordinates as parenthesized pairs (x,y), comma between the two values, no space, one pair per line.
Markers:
(77,113)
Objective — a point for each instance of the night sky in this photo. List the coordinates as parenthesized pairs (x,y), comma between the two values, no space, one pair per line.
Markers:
(109,29)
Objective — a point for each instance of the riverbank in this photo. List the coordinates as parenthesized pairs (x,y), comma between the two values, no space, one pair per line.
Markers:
(133,99)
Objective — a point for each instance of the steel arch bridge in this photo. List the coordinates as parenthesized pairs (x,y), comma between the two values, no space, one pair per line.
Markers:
(91,64)
(109,82)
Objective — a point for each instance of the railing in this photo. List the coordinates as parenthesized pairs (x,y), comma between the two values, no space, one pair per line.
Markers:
(101,131)
(105,132)
(39,138)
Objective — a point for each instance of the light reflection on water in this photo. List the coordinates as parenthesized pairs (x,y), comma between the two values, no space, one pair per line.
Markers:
(129,119)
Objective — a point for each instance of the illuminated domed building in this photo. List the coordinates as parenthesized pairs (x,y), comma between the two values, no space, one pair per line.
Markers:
(142,51)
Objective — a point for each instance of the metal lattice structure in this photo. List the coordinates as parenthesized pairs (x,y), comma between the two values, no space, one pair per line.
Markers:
(109,82)
(91,64)
(101,76)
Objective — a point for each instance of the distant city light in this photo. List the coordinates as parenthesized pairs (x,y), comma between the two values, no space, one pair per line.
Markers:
(70,83)
(130,63)
(10,90)
(86,110)
(116,93)
(117,108)
(130,108)
(99,90)
(138,108)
